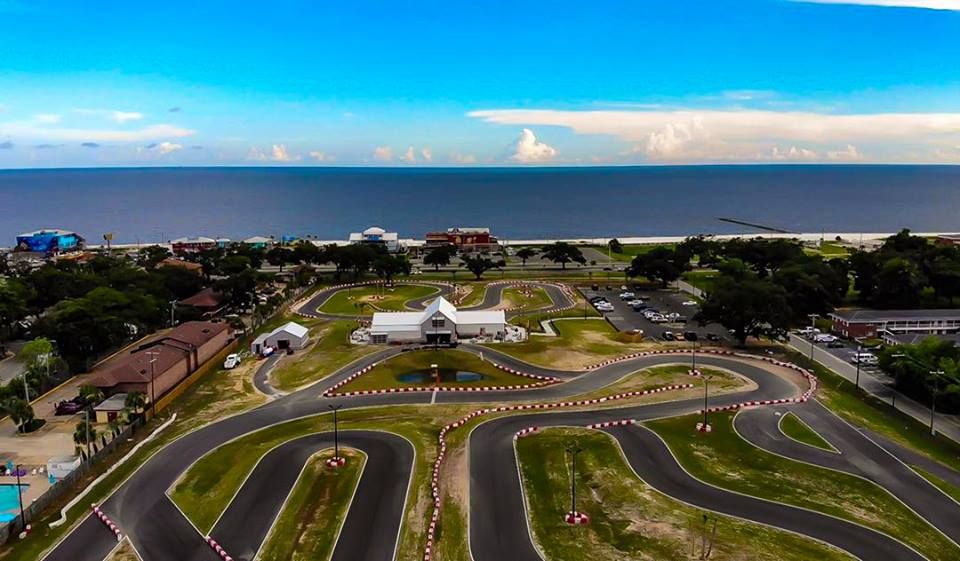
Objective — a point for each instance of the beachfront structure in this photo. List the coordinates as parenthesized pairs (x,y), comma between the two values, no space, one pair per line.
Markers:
(49,241)
(466,240)
(181,246)
(258,242)
(291,335)
(870,323)
(166,361)
(441,322)
(378,236)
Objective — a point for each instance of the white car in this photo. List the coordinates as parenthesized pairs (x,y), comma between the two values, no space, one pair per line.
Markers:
(627,296)
(605,307)
(866,359)
(232,361)
(824,338)
(658,318)
(689,303)
(809,332)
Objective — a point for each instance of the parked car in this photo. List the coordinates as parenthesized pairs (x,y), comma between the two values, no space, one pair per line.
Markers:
(836,344)
(690,335)
(668,336)
(627,296)
(808,332)
(232,361)
(713,337)
(267,351)
(864,359)
(68,407)
(657,318)
(689,303)
(639,305)
(824,338)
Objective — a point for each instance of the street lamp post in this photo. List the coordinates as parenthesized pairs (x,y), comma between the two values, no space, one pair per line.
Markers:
(813,325)
(857,379)
(86,428)
(153,386)
(23,517)
(693,355)
(574,517)
(704,426)
(336,461)
(933,398)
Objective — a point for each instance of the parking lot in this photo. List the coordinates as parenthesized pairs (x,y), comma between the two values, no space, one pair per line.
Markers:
(625,318)
(844,350)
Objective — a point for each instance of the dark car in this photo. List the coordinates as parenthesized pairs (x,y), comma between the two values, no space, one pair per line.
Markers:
(713,337)
(668,336)
(836,344)
(68,408)
(690,335)
(594,287)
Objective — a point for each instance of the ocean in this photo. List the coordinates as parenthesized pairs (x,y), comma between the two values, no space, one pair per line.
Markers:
(148,205)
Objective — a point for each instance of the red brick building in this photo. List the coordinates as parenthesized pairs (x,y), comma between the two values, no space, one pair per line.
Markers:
(870,323)
(465,239)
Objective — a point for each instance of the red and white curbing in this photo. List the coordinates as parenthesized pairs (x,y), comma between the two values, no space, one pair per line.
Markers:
(526,432)
(442,442)
(541,382)
(217,549)
(575,518)
(336,462)
(106,520)
(609,424)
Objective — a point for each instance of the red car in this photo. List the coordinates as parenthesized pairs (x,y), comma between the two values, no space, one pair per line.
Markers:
(68,408)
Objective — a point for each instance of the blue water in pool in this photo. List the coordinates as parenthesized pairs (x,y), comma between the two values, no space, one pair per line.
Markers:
(10,502)
(445,376)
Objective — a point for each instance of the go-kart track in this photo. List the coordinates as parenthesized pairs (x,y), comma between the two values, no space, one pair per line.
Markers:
(498,528)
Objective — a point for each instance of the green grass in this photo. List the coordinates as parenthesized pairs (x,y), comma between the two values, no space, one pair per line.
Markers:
(526,299)
(346,302)
(724,459)
(630,251)
(628,519)
(329,354)
(863,410)
(579,343)
(384,375)
(701,279)
(792,426)
(949,489)
(308,525)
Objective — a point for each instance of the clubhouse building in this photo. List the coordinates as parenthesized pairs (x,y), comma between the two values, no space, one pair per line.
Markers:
(441,322)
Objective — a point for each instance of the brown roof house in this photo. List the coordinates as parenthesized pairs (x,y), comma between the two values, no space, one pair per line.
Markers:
(195,268)
(208,302)
(167,360)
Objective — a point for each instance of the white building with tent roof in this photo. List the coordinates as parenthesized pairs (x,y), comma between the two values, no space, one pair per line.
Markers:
(441,322)
(288,336)
(377,236)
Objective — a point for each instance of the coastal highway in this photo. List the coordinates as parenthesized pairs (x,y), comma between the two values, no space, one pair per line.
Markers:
(498,527)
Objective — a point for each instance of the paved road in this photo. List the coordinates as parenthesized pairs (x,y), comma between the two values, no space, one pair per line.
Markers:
(858,455)
(261,378)
(497,524)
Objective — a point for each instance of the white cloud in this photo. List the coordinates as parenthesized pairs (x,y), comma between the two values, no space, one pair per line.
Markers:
(459,158)
(528,149)
(383,153)
(409,156)
(47,118)
(951,5)
(849,154)
(124,116)
(321,156)
(427,154)
(279,154)
(720,135)
(256,154)
(167,147)
(30,130)
(793,153)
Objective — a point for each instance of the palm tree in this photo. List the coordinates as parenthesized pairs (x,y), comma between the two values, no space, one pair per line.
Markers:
(83,431)
(91,394)
(21,412)
(135,401)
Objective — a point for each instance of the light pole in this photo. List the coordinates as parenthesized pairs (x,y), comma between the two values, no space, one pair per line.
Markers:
(153,387)
(857,379)
(693,356)
(933,398)
(23,517)
(86,428)
(574,517)
(336,460)
(705,425)
(813,325)
(173,309)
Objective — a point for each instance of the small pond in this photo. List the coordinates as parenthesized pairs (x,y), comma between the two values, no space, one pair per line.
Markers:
(445,376)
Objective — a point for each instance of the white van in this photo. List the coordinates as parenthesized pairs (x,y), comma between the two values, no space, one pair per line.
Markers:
(864,359)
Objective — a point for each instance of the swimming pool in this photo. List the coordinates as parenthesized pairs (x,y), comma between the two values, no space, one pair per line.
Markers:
(10,501)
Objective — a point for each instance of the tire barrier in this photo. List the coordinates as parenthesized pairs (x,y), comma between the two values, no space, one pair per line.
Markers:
(704,427)
(541,381)
(336,462)
(695,372)
(576,518)
(106,520)
(442,444)
(217,549)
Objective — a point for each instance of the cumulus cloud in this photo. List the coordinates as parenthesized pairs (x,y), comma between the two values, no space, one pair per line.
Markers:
(848,154)
(321,156)
(409,156)
(383,153)
(47,118)
(459,158)
(167,147)
(427,154)
(527,149)
(720,135)
(6,145)
(125,116)
(790,154)
(950,5)
(278,153)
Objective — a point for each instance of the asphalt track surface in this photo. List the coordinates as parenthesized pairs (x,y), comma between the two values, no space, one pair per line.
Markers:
(498,526)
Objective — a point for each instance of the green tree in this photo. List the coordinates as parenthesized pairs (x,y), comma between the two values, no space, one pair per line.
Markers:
(478,265)
(13,307)
(150,256)
(278,256)
(615,245)
(91,394)
(135,401)
(899,284)
(388,266)
(661,264)
(750,307)
(84,433)
(440,256)
(21,413)
(179,283)
(525,253)
(563,253)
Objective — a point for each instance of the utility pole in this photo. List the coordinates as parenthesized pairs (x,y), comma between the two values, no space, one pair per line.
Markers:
(336,461)
(706,395)
(86,428)
(153,387)
(813,325)
(857,379)
(23,517)
(574,517)
(933,399)
(173,309)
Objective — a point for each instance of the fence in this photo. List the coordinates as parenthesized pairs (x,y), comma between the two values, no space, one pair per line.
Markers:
(65,485)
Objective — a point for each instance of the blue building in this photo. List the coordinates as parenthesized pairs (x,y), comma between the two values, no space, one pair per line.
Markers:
(49,242)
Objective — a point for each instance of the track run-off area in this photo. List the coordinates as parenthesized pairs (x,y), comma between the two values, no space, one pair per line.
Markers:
(498,525)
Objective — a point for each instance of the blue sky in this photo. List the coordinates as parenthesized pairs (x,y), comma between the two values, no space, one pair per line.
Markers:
(493,83)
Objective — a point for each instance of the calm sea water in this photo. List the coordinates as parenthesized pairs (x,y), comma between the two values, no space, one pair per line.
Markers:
(149,205)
